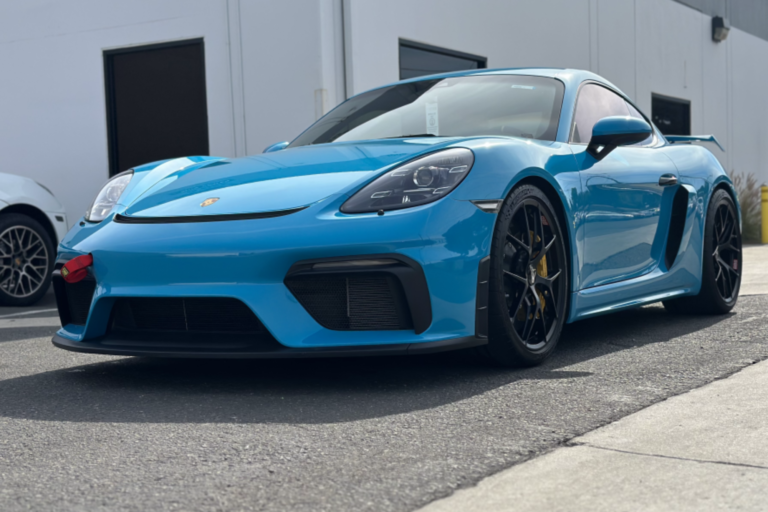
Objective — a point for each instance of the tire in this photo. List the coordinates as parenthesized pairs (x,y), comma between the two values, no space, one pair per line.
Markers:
(528,284)
(721,262)
(26,260)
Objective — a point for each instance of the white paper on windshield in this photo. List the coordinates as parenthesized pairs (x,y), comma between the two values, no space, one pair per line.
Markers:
(433,125)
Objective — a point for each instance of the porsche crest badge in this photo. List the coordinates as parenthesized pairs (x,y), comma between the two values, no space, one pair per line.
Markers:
(209,201)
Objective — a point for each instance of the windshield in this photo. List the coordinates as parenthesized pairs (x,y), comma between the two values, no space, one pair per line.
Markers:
(507,105)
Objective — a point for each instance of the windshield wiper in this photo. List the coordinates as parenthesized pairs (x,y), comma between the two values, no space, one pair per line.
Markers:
(412,136)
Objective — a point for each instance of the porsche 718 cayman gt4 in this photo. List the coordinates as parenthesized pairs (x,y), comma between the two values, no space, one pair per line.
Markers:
(477,209)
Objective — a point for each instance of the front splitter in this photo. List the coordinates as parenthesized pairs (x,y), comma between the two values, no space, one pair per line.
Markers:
(130,347)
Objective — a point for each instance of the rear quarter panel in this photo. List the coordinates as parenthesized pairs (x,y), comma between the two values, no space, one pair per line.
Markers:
(700,172)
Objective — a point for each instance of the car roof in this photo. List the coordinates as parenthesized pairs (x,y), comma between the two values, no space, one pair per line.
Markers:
(570,77)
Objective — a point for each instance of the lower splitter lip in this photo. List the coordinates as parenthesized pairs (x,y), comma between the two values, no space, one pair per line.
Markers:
(110,345)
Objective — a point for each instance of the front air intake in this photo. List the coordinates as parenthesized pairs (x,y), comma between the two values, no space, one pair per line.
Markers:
(184,314)
(79,298)
(353,303)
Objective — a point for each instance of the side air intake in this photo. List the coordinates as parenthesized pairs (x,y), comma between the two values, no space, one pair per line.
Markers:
(676,225)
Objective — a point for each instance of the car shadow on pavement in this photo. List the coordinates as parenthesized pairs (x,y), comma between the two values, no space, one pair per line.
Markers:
(310,391)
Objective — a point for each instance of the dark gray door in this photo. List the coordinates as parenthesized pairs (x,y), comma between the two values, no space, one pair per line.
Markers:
(156,104)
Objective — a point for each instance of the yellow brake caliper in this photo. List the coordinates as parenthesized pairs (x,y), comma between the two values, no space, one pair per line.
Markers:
(541,269)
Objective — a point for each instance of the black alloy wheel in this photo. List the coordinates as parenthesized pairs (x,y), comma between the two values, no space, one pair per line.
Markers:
(727,254)
(528,282)
(722,262)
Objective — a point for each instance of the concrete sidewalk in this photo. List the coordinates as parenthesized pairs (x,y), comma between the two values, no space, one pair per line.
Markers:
(755,278)
(703,450)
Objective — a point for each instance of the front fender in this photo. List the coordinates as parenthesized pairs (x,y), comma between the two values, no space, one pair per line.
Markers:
(501,164)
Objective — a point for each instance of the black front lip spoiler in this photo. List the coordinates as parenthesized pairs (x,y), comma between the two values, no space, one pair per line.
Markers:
(114,348)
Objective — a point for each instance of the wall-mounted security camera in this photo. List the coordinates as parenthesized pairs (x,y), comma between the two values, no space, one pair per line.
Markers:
(720,29)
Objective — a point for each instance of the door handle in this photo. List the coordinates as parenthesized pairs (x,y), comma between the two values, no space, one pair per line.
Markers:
(667,180)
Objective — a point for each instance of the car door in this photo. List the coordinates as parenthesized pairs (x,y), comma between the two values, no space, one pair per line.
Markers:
(624,195)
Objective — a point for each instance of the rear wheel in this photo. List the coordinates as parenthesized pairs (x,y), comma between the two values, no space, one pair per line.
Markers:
(722,262)
(528,281)
(26,260)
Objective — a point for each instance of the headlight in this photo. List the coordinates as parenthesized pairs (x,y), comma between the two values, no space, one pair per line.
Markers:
(418,182)
(108,197)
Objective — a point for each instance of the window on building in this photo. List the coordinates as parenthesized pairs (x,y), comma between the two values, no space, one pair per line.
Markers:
(418,59)
(671,115)
(156,103)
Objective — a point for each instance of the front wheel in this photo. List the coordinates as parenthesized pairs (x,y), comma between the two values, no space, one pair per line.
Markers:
(528,281)
(722,262)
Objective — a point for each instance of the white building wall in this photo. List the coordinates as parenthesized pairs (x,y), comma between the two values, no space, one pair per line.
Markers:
(272,68)
(53,124)
(748,104)
(615,48)
(544,33)
(289,62)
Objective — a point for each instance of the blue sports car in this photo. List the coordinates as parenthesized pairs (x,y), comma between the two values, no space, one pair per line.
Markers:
(479,209)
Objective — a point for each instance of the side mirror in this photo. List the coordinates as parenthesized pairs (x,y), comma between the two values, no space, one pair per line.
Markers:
(276,147)
(611,132)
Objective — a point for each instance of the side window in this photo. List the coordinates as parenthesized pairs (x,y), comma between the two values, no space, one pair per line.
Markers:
(593,104)
(636,114)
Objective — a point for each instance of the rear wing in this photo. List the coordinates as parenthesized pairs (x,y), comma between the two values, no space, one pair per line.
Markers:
(677,139)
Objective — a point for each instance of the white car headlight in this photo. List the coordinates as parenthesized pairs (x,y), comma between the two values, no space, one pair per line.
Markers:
(418,182)
(108,197)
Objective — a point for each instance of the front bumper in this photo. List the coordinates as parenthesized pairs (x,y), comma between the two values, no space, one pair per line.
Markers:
(250,259)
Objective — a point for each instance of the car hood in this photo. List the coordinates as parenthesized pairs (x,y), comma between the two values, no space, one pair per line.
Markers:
(281,180)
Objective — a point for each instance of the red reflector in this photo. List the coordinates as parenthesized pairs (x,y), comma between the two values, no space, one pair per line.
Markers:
(76,269)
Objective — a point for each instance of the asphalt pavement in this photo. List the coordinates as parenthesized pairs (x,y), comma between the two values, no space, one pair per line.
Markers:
(86,432)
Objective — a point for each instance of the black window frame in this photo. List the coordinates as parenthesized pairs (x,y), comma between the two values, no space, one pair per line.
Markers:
(654,142)
(672,99)
(482,62)
(111,107)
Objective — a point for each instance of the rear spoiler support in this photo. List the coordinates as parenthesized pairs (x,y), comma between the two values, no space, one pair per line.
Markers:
(686,139)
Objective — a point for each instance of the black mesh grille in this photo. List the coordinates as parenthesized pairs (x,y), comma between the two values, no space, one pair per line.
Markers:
(196,314)
(372,304)
(354,303)
(79,297)
(323,298)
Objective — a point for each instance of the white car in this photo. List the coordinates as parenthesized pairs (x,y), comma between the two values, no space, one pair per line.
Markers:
(32,222)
